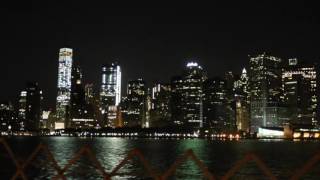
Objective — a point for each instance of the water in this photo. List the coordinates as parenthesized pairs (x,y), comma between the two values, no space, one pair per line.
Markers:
(283,158)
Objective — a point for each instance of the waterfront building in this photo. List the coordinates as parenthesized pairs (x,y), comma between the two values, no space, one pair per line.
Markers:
(110,94)
(215,104)
(264,92)
(22,106)
(8,119)
(193,77)
(230,120)
(299,84)
(81,113)
(242,102)
(64,85)
(176,100)
(133,106)
(33,106)
(160,105)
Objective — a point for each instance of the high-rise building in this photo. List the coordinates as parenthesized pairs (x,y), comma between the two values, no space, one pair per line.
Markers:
(81,115)
(22,109)
(215,104)
(299,83)
(242,102)
(64,85)
(230,98)
(265,90)
(176,100)
(89,93)
(111,84)
(193,77)
(8,118)
(33,107)
(160,106)
(110,94)
(133,106)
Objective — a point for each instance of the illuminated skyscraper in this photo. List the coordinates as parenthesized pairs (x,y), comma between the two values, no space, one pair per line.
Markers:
(242,102)
(64,83)
(111,84)
(133,106)
(299,83)
(22,109)
(110,94)
(193,77)
(265,91)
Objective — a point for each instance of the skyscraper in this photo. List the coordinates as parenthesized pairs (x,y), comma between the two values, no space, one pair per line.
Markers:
(215,104)
(193,77)
(160,108)
(133,106)
(33,107)
(231,105)
(265,90)
(22,109)
(110,93)
(299,83)
(8,118)
(111,84)
(176,100)
(242,102)
(64,84)
(81,114)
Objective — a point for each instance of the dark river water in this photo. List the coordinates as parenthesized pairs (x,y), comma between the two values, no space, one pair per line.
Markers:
(283,158)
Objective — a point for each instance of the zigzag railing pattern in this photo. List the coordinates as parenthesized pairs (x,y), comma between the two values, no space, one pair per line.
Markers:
(189,154)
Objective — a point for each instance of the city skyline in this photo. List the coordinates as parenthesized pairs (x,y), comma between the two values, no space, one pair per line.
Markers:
(220,37)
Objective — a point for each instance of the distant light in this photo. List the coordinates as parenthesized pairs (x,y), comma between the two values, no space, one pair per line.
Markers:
(192,64)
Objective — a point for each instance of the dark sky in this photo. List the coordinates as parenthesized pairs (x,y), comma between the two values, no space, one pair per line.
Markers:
(152,41)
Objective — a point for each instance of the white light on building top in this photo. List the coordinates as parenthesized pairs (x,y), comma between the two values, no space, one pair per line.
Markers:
(192,64)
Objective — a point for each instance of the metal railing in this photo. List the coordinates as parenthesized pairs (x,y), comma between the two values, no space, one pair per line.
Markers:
(188,155)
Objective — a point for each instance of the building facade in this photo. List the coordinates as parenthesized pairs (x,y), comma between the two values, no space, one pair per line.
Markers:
(215,104)
(133,106)
(110,94)
(193,77)
(33,107)
(64,85)
(265,91)
(299,83)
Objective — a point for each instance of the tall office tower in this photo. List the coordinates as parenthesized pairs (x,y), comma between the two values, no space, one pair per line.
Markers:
(231,105)
(111,84)
(193,77)
(64,86)
(176,100)
(80,115)
(242,102)
(133,106)
(89,93)
(299,83)
(215,104)
(110,94)
(33,104)
(22,109)
(146,117)
(8,118)
(160,107)
(265,90)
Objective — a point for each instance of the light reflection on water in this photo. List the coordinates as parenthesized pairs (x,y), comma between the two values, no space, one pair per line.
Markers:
(282,157)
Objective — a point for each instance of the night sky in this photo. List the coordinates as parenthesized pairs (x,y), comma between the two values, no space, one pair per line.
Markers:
(152,41)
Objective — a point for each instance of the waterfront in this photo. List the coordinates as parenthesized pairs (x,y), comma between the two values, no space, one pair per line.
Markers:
(282,157)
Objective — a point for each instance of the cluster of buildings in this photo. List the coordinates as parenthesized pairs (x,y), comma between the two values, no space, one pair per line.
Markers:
(270,93)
